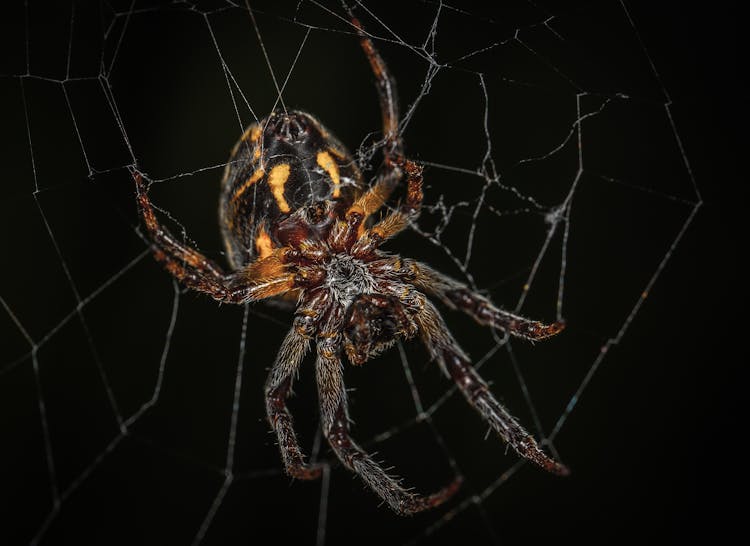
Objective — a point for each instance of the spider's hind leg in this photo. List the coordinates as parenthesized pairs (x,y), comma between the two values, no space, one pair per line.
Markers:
(335,423)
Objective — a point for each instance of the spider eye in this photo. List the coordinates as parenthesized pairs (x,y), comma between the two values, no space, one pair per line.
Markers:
(291,127)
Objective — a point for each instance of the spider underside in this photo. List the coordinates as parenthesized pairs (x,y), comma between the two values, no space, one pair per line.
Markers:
(299,223)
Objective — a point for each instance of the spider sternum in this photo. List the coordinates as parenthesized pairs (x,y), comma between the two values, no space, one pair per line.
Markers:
(348,277)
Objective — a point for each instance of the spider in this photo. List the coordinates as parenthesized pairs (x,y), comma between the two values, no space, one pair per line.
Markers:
(298,223)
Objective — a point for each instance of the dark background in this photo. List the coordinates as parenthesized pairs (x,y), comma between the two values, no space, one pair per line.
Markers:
(651,442)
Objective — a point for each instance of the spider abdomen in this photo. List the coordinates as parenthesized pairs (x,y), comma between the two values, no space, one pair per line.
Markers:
(287,177)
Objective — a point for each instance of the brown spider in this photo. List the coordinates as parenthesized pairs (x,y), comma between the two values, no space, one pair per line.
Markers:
(298,224)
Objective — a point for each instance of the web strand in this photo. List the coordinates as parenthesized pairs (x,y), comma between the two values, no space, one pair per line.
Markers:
(529,144)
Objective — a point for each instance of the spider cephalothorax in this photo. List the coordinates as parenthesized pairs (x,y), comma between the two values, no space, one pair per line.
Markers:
(299,224)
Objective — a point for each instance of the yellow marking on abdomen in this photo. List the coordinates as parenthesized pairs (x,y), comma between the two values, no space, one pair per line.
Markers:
(276,180)
(252,133)
(327,163)
(257,175)
(263,244)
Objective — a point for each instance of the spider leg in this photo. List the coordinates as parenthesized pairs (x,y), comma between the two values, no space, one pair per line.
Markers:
(444,348)
(262,279)
(458,296)
(395,222)
(385,84)
(335,422)
(278,388)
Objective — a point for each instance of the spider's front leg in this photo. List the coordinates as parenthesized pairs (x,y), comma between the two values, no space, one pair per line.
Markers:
(395,222)
(444,348)
(458,296)
(392,169)
(335,423)
(386,86)
(261,279)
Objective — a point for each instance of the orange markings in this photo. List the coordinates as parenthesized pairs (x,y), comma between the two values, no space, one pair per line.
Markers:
(276,180)
(252,133)
(390,226)
(373,199)
(263,243)
(273,286)
(356,208)
(268,268)
(257,175)
(327,163)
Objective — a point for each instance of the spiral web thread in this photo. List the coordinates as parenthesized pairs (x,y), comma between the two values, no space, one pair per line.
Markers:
(489,192)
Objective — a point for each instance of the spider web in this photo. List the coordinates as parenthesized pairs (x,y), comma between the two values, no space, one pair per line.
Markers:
(556,182)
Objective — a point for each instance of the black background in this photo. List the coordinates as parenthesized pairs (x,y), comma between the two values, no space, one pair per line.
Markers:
(652,440)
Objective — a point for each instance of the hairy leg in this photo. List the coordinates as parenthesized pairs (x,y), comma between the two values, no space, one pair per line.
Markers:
(510,430)
(392,171)
(444,348)
(278,388)
(262,279)
(458,296)
(386,86)
(395,222)
(335,422)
